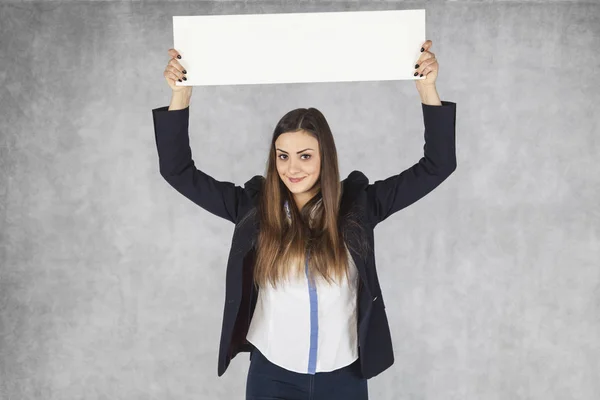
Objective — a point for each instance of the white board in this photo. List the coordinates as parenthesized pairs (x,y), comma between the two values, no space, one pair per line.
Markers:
(299,47)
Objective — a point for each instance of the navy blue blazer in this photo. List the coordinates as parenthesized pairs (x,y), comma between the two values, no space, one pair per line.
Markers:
(368,204)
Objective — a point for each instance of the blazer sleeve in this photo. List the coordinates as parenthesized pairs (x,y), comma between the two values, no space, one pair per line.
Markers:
(385,197)
(177,167)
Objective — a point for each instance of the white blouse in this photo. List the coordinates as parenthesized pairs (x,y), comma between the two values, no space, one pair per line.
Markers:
(305,328)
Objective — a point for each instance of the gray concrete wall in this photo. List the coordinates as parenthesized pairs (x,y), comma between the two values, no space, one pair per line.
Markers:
(106,272)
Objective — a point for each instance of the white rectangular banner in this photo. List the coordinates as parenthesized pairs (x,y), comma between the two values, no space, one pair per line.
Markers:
(299,47)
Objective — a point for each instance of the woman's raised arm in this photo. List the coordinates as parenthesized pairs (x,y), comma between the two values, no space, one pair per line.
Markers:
(176,166)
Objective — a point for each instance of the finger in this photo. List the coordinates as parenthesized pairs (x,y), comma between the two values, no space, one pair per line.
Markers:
(424,57)
(425,64)
(170,75)
(180,74)
(427,45)
(174,53)
(176,72)
(175,64)
(429,68)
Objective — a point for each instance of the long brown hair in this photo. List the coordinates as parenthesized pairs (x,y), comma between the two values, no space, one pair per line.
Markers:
(283,242)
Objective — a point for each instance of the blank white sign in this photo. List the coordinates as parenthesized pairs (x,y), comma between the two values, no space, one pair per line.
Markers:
(299,47)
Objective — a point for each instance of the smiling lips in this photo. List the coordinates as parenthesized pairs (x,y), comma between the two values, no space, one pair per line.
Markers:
(296,180)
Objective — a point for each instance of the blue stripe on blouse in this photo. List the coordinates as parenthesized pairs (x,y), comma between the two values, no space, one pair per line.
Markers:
(314,322)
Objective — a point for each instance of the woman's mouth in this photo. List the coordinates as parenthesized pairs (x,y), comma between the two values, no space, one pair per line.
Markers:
(296,180)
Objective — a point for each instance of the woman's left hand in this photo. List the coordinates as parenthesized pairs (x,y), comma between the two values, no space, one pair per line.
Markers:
(427,66)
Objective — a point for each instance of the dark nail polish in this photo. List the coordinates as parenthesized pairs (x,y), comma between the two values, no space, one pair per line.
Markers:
(179,80)
(420,75)
(184,71)
(422,49)
(416,65)
(416,73)
(178,56)
(184,78)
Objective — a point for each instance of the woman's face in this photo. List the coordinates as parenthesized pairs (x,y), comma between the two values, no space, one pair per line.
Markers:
(297,155)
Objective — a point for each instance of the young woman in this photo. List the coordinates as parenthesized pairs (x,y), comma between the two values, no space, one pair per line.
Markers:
(302,293)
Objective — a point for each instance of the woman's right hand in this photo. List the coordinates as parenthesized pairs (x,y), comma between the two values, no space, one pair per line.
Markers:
(175,72)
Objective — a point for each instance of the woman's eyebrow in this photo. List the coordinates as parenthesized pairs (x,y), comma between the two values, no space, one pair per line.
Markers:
(298,152)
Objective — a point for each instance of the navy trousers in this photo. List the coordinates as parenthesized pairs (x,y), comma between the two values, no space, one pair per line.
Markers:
(268,381)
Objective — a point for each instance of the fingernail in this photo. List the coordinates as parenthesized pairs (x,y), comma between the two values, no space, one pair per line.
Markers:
(184,78)
(422,50)
(416,73)
(178,56)
(184,71)
(420,75)
(416,65)
(179,80)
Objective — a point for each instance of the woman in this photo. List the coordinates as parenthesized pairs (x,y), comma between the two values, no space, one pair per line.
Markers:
(302,292)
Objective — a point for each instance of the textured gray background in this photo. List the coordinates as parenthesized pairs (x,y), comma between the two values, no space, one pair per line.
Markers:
(112,283)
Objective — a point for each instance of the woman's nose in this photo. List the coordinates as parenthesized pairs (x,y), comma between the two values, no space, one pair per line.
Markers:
(293,167)
(293,171)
